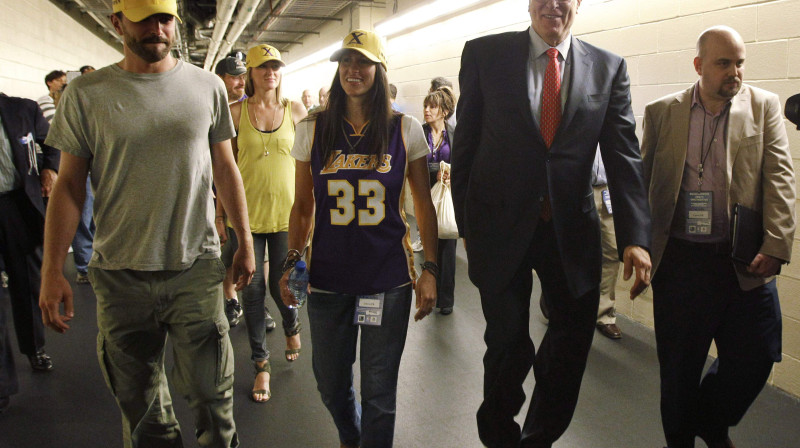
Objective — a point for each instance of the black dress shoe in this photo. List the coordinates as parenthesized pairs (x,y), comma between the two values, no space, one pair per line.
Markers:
(4,402)
(446,310)
(40,362)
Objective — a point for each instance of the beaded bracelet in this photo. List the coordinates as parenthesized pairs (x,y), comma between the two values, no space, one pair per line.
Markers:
(292,257)
(431,267)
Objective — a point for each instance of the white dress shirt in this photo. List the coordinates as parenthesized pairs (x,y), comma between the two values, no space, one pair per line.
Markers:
(537,64)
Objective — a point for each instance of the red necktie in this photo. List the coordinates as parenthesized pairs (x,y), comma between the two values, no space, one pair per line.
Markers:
(551,98)
(551,114)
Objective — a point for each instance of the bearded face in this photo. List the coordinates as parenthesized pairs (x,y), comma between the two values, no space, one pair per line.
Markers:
(152,38)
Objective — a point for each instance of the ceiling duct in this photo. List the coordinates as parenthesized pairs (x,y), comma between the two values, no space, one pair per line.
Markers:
(225,10)
(245,16)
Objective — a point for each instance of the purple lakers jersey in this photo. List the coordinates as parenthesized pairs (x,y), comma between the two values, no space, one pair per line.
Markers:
(360,240)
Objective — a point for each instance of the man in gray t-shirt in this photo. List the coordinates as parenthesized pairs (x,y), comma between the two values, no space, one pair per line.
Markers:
(153,130)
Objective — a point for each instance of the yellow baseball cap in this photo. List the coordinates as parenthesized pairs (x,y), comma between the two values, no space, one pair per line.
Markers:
(138,10)
(365,42)
(263,53)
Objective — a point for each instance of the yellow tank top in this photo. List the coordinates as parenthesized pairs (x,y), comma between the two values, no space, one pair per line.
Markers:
(267,172)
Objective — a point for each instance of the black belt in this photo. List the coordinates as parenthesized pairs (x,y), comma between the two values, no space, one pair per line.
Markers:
(719,248)
(8,193)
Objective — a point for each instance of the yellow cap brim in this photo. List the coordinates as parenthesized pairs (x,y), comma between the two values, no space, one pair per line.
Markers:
(139,14)
(337,55)
(259,62)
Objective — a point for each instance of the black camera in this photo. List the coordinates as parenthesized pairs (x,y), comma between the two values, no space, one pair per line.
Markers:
(792,109)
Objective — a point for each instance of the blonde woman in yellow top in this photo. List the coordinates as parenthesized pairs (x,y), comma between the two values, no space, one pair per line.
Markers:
(265,124)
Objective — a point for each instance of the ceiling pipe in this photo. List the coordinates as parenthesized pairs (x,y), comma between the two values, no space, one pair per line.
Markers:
(271,18)
(225,10)
(110,29)
(203,34)
(245,16)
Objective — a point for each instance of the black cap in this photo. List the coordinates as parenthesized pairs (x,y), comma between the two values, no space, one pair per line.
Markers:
(230,66)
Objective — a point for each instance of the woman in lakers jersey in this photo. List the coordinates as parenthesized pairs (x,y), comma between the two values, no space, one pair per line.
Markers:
(352,161)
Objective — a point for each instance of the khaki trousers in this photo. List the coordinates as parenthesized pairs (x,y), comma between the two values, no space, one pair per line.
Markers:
(606,313)
(136,312)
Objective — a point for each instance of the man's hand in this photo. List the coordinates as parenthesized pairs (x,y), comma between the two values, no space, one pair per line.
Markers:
(47,178)
(637,257)
(244,266)
(426,295)
(764,266)
(55,290)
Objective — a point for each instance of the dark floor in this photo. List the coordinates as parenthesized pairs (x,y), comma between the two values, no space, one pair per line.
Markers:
(439,391)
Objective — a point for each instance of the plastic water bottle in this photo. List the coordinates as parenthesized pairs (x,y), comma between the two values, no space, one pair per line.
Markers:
(298,283)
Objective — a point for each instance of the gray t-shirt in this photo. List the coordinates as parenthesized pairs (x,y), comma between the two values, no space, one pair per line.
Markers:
(149,139)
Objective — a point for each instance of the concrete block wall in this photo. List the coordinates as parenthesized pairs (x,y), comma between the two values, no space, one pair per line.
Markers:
(35,38)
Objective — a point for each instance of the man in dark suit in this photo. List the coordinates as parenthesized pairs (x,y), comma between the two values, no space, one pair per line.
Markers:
(522,191)
(25,179)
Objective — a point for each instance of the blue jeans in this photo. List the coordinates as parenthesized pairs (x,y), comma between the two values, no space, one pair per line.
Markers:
(84,234)
(255,294)
(334,337)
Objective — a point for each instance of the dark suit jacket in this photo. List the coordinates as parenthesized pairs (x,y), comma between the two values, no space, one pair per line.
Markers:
(502,170)
(21,116)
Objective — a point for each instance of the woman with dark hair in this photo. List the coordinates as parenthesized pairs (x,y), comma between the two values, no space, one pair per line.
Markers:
(265,125)
(353,158)
(438,108)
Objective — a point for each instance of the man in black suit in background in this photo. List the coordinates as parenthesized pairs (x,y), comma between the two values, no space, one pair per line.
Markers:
(24,181)
(522,191)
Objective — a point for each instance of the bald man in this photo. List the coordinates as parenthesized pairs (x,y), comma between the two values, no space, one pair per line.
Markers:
(714,145)
(308,99)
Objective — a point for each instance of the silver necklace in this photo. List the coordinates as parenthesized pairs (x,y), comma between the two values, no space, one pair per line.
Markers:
(261,133)
(347,138)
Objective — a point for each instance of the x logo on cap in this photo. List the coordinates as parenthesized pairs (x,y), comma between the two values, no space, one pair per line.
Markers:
(268,51)
(356,38)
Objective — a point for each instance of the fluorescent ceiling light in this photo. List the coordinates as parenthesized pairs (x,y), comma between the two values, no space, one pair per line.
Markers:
(421,15)
(313,58)
(395,25)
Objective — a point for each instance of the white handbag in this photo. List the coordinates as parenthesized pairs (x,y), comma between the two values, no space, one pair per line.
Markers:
(443,202)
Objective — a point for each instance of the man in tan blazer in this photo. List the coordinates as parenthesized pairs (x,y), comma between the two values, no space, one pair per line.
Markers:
(706,149)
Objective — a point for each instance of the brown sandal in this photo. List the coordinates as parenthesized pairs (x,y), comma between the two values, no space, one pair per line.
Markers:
(261,369)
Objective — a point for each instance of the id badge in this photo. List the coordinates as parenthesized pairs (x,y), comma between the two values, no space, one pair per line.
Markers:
(607,200)
(699,211)
(369,310)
